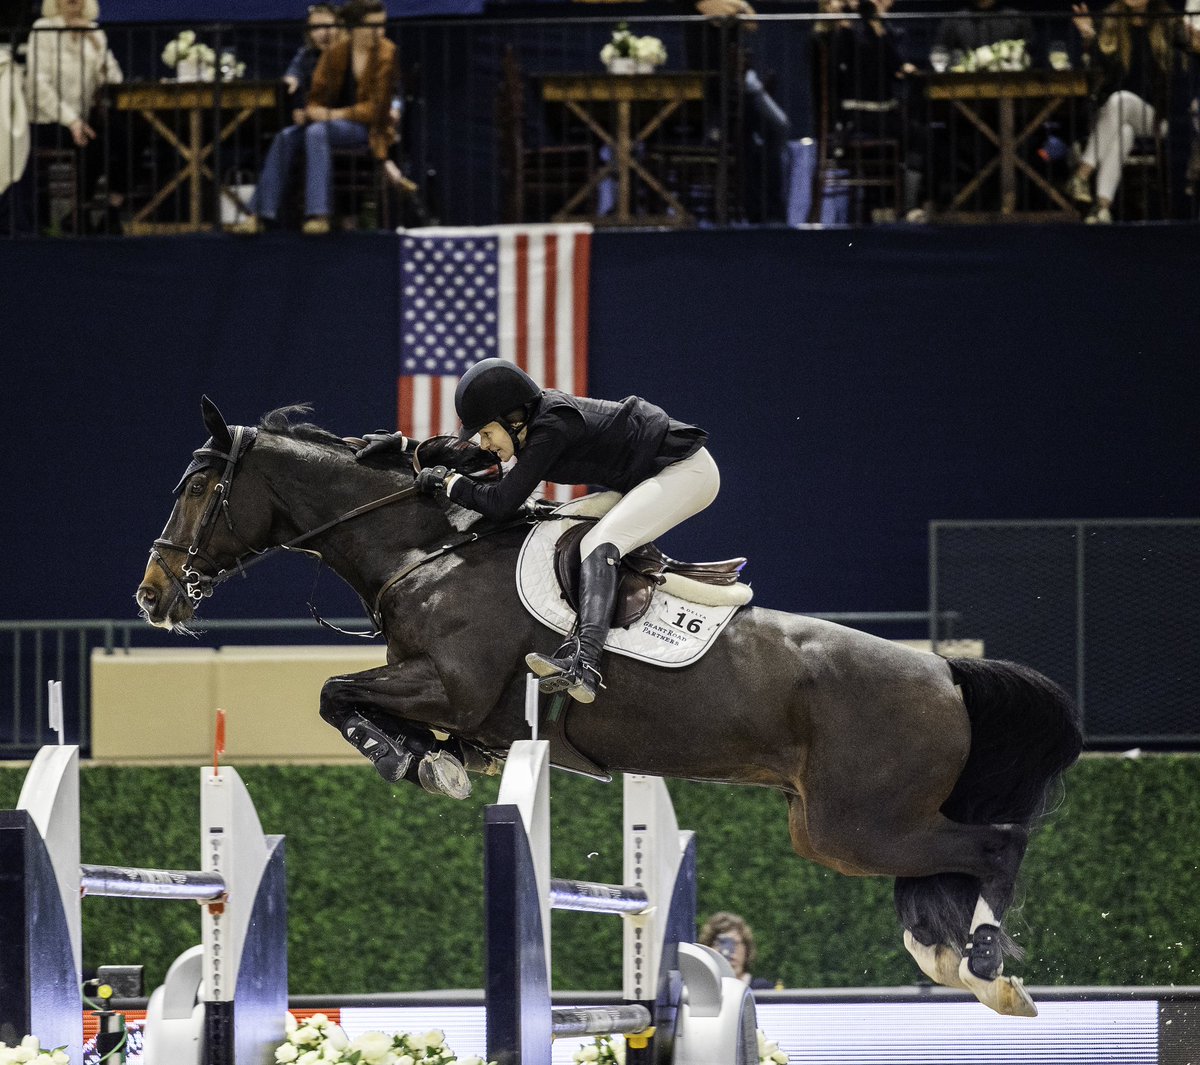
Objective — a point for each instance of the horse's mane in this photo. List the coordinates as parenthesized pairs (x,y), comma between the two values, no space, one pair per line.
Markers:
(459,455)
(280,421)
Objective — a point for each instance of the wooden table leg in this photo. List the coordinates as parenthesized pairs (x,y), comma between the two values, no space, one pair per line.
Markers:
(1008,175)
(624,150)
(196,145)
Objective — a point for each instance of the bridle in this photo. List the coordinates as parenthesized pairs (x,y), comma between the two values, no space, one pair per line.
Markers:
(197,585)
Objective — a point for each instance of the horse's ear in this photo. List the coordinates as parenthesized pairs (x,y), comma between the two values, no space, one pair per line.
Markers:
(215,424)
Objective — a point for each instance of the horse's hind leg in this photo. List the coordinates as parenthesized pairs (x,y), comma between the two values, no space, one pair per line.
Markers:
(939,962)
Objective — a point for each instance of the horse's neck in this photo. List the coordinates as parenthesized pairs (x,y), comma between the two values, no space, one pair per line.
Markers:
(364,550)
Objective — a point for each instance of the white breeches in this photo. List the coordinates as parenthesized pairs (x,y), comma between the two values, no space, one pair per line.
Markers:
(656,505)
(1121,118)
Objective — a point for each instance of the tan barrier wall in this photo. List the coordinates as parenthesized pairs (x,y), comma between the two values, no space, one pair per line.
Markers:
(157,705)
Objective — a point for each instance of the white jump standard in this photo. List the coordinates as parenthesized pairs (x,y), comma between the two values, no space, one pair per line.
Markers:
(683,997)
(223,1002)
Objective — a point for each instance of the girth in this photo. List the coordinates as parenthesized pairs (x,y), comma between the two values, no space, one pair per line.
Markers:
(642,570)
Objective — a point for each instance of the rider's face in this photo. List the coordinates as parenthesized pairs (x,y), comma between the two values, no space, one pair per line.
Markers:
(493,438)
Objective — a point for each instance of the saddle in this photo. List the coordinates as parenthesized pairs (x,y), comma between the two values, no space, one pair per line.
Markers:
(641,571)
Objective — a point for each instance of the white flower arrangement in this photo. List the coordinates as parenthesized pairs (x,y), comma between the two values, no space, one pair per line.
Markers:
(1002,55)
(29,1052)
(644,53)
(191,57)
(610,1050)
(318,1041)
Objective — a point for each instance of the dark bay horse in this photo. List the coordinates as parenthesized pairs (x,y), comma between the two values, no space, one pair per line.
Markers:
(893,762)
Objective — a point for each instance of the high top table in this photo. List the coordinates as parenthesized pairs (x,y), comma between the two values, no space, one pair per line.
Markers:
(215,110)
(966,92)
(583,96)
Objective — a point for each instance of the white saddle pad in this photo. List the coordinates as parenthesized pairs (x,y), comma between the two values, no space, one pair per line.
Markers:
(673,632)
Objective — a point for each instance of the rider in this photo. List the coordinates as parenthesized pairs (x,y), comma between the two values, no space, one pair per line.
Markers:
(660,465)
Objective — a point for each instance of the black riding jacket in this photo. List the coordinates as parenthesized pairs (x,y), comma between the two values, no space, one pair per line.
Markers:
(573,440)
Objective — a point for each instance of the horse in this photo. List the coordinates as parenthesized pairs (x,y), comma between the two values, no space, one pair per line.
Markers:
(893,762)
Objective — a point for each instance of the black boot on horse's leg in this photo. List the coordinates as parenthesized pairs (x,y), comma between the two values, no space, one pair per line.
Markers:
(578,673)
(402,752)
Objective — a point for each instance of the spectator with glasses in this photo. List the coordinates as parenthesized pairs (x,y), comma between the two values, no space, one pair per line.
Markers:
(349,106)
(322,28)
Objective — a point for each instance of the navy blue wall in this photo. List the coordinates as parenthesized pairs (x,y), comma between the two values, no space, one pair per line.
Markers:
(856,385)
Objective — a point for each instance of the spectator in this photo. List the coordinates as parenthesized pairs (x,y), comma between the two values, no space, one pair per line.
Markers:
(731,937)
(982,23)
(14,144)
(860,66)
(1134,49)
(321,29)
(348,107)
(68,65)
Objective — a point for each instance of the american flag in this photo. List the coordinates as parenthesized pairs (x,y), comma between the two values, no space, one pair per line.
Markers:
(511,292)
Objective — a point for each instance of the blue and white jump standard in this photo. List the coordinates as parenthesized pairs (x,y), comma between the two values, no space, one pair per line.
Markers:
(240,965)
(682,1002)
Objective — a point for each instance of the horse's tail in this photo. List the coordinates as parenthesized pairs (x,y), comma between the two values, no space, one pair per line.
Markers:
(1025,732)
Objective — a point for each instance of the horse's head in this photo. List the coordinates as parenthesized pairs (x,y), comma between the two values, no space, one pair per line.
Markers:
(201,543)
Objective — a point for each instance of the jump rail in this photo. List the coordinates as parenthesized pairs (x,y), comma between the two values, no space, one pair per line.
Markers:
(243,956)
(658,907)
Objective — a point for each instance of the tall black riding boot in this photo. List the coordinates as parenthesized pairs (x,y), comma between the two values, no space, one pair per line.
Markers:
(574,665)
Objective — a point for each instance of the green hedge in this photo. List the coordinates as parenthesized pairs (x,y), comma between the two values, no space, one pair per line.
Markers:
(385,893)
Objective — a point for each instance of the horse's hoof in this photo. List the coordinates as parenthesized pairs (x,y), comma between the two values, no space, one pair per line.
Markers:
(1006,994)
(443,774)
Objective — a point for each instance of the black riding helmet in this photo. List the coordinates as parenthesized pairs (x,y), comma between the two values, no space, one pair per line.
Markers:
(490,391)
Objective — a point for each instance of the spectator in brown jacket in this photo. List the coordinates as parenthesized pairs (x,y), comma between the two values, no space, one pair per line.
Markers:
(348,107)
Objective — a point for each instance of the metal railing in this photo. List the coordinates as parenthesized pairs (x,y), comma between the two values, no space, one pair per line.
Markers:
(32,653)
(1108,609)
(796,118)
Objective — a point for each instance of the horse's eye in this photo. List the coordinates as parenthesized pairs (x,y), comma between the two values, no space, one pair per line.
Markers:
(197,486)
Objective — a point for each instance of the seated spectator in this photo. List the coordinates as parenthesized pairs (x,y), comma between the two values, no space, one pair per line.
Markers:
(67,65)
(1134,49)
(731,937)
(982,23)
(348,107)
(860,65)
(321,29)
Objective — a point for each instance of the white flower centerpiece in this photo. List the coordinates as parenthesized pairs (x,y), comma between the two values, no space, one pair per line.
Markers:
(29,1052)
(629,54)
(1002,55)
(193,60)
(610,1050)
(319,1040)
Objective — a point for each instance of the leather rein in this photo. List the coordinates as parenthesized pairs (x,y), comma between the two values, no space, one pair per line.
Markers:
(198,586)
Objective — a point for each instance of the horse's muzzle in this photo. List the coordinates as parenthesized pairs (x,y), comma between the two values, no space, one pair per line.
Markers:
(159,599)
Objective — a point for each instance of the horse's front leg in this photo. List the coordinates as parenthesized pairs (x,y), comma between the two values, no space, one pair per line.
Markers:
(377,710)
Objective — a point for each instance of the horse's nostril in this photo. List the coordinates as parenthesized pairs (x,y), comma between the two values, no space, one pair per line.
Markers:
(147,596)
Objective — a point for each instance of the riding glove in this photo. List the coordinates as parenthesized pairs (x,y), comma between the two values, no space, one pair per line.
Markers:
(381,443)
(432,480)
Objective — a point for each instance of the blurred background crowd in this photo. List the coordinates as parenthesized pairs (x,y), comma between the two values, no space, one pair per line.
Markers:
(715,113)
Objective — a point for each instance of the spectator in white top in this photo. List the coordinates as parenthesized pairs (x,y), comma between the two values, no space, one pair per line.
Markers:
(68,64)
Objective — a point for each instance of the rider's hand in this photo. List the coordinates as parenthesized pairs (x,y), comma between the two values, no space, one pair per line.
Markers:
(432,480)
(381,443)
(1083,21)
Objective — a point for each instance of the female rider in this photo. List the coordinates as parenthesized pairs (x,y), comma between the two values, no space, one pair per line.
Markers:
(660,465)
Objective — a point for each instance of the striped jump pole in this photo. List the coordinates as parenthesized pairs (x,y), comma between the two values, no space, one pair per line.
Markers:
(657,904)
